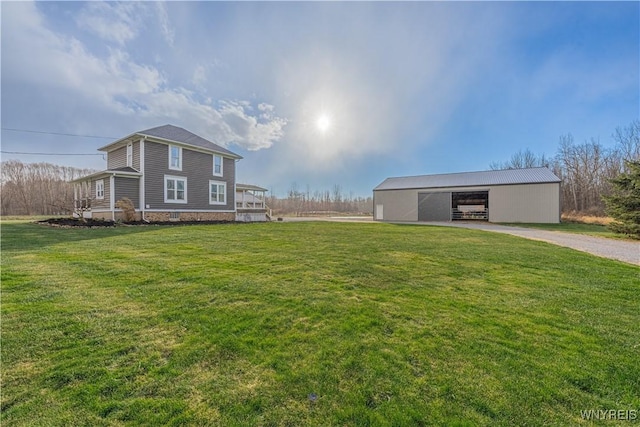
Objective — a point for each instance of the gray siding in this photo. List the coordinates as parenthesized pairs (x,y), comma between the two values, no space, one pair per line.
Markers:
(100,203)
(117,158)
(128,187)
(197,168)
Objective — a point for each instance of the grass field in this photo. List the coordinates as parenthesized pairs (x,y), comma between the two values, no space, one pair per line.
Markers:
(310,324)
(596,230)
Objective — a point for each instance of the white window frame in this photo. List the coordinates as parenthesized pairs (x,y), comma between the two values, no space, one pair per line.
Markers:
(175,179)
(179,166)
(217,156)
(100,189)
(130,155)
(221,185)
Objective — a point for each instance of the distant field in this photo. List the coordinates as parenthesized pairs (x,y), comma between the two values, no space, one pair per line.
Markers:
(309,324)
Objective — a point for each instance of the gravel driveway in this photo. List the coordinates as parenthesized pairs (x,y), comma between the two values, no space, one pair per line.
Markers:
(621,250)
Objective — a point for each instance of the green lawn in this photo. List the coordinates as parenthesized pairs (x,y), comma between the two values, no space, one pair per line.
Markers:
(237,325)
(575,227)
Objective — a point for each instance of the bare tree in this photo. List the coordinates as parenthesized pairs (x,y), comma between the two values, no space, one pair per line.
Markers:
(521,160)
(37,188)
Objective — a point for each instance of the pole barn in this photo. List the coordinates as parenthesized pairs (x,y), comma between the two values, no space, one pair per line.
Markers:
(529,195)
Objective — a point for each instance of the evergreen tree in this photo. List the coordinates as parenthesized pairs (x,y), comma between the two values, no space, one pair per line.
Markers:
(624,203)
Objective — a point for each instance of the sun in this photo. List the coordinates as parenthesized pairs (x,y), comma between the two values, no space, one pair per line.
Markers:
(323,123)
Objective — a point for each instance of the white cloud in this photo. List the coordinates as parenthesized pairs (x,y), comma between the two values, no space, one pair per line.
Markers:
(199,76)
(165,25)
(115,22)
(118,84)
(121,22)
(248,131)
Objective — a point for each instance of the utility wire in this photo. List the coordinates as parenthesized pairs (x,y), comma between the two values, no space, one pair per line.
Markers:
(57,133)
(51,154)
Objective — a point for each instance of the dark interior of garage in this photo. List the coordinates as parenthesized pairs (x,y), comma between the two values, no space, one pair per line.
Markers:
(471,205)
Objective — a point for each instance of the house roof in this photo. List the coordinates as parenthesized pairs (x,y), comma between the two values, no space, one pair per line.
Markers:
(471,179)
(125,172)
(249,187)
(170,133)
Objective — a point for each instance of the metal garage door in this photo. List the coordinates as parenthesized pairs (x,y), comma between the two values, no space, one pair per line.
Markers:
(434,206)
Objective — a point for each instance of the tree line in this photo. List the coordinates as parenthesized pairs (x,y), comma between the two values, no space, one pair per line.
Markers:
(37,188)
(305,201)
(586,169)
(45,189)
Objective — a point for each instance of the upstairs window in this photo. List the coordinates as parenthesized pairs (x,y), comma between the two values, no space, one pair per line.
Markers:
(100,189)
(217,193)
(175,189)
(175,157)
(217,165)
(130,155)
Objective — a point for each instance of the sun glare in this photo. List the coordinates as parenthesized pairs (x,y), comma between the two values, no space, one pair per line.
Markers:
(323,123)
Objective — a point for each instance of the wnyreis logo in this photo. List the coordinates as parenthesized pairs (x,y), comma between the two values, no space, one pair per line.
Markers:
(609,414)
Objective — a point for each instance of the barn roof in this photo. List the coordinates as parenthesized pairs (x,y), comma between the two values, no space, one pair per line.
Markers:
(471,179)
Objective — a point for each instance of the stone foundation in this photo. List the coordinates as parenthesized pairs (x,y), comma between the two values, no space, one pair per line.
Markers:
(106,216)
(189,216)
(168,216)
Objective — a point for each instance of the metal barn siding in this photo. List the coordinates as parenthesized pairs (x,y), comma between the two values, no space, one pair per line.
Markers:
(434,206)
(533,203)
(398,205)
(522,195)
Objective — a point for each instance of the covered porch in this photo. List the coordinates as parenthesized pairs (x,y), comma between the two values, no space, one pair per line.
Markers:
(251,203)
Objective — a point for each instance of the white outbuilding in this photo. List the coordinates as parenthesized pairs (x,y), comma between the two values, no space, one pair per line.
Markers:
(529,195)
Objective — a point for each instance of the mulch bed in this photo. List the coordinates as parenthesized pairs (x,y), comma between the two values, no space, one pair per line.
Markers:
(95,223)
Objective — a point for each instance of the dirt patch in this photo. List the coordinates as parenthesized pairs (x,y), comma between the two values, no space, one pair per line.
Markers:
(97,223)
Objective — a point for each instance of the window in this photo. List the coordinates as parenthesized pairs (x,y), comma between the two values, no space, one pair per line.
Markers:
(175,157)
(100,189)
(175,189)
(217,165)
(130,155)
(217,192)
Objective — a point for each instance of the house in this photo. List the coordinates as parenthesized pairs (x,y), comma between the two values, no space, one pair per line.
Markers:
(529,195)
(169,174)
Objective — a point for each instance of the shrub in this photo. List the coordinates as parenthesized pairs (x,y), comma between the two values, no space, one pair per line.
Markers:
(128,209)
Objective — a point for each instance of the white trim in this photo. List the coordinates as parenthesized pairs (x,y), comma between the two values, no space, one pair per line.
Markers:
(129,154)
(101,182)
(219,184)
(221,165)
(141,186)
(179,167)
(176,179)
(112,196)
(107,173)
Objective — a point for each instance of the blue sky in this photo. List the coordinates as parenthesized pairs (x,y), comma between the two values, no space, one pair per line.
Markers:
(403,88)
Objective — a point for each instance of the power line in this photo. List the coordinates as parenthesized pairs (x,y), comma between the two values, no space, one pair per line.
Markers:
(52,154)
(58,133)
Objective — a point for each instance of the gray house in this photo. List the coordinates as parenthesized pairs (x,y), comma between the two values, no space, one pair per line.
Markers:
(168,173)
(514,195)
